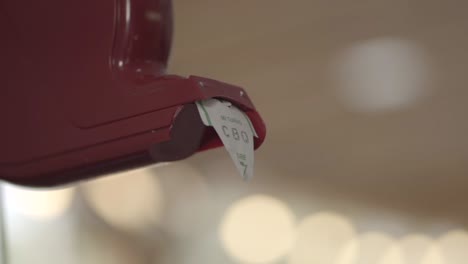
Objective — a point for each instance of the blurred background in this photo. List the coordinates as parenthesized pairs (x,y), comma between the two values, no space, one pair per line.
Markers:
(365,159)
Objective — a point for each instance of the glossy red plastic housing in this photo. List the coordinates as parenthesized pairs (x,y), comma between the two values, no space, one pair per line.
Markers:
(84,91)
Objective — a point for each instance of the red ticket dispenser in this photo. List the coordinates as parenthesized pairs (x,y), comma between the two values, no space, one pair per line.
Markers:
(84,91)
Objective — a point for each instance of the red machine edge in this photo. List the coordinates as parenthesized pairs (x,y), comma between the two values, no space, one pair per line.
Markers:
(137,141)
(84,91)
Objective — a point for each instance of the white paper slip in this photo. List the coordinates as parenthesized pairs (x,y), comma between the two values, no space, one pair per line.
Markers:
(235,131)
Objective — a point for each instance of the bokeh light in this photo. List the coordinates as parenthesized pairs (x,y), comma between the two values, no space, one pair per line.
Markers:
(432,256)
(454,246)
(258,229)
(349,254)
(130,201)
(415,247)
(367,248)
(186,197)
(40,204)
(381,74)
(393,255)
(321,238)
